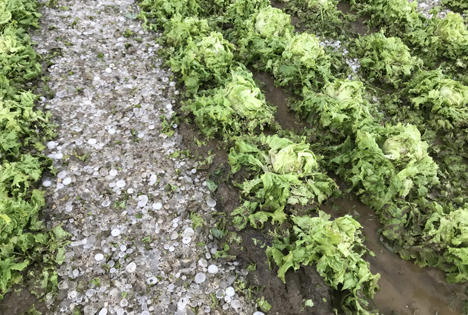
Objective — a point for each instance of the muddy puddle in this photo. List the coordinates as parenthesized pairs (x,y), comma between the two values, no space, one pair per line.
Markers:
(405,288)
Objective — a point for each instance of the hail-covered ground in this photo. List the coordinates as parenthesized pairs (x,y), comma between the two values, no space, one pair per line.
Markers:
(125,201)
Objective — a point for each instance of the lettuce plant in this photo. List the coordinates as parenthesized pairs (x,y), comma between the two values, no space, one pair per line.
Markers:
(340,107)
(456,5)
(156,13)
(236,108)
(337,249)
(385,59)
(208,59)
(303,63)
(386,164)
(442,99)
(285,173)
(264,36)
(240,11)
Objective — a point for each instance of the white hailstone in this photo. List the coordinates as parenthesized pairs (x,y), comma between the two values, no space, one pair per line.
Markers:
(186,239)
(103,311)
(157,206)
(46,183)
(51,145)
(90,292)
(151,127)
(124,303)
(203,263)
(153,179)
(113,172)
(258,313)
(108,70)
(115,232)
(171,248)
(111,131)
(69,207)
(123,248)
(230,291)
(130,190)
(235,304)
(62,174)
(106,203)
(193,171)
(60,186)
(200,278)
(189,232)
(145,313)
(131,267)
(92,141)
(113,270)
(142,201)
(58,156)
(67,181)
(152,280)
(211,203)
(72,294)
(182,304)
(99,257)
(213,269)
(76,273)
(168,106)
(120,183)
(141,135)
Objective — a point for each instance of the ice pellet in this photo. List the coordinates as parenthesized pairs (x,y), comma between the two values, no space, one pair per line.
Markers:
(189,232)
(113,172)
(62,174)
(115,232)
(230,291)
(157,206)
(213,269)
(186,239)
(258,313)
(120,183)
(131,267)
(142,201)
(124,303)
(46,183)
(211,202)
(200,278)
(235,304)
(103,311)
(67,181)
(99,257)
(92,141)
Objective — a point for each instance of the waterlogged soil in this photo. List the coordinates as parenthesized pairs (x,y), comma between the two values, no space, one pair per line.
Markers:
(405,288)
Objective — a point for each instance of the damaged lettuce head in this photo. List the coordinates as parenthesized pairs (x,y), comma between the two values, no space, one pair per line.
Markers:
(444,100)
(285,173)
(202,62)
(264,36)
(238,107)
(386,164)
(303,63)
(336,248)
(385,59)
(340,107)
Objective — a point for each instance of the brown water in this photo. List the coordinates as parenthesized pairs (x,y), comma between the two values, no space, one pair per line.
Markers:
(406,289)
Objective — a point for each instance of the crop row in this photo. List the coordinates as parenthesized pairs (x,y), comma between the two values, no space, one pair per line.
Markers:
(24,240)
(386,163)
